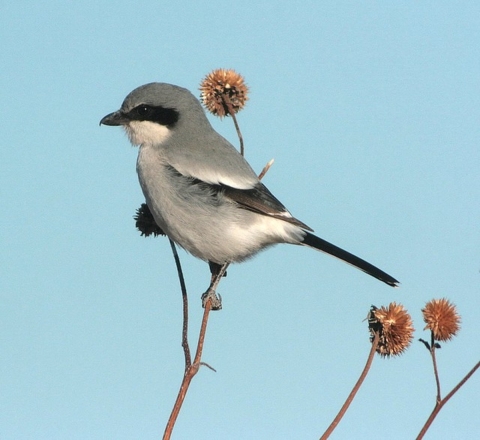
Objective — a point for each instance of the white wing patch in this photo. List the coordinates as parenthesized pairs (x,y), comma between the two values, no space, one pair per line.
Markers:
(217,178)
(213,176)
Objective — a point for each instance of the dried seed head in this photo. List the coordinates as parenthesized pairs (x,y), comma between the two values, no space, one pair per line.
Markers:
(441,318)
(394,326)
(223,91)
(145,222)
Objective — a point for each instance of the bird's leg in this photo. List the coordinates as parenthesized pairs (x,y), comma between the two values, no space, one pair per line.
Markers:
(215,268)
(211,294)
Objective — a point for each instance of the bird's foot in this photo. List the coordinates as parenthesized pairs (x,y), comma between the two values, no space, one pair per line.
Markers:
(216,301)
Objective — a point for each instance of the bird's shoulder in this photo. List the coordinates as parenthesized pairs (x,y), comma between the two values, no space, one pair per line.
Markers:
(211,159)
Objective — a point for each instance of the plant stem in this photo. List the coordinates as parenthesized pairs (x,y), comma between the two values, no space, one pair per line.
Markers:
(439,405)
(231,111)
(190,372)
(355,389)
(435,369)
(186,348)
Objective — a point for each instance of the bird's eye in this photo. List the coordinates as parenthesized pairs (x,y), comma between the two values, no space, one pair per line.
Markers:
(143,110)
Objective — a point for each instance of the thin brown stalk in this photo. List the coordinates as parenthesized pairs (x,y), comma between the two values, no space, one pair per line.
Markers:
(439,404)
(435,369)
(231,111)
(354,391)
(190,372)
(191,369)
(183,287)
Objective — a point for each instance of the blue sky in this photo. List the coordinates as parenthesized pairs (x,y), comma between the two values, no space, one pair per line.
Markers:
(371,111)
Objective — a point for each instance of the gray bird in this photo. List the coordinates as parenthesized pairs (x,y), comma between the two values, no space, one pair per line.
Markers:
(200,190)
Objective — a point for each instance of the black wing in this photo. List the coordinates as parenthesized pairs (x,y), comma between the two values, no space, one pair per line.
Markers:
(259,199)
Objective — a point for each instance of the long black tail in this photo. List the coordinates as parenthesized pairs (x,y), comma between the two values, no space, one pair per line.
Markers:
(324,246)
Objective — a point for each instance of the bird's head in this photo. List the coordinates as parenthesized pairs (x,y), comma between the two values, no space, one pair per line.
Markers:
(151,113)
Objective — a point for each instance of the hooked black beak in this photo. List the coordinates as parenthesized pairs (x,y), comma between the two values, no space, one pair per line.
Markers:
(114,119)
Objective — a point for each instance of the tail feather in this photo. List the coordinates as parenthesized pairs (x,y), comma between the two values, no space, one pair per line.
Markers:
(324,246)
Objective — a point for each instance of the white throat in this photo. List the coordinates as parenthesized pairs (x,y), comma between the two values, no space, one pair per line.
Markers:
(147,132)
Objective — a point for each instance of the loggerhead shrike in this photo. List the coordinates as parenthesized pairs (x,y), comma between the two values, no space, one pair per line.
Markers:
(200,190)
